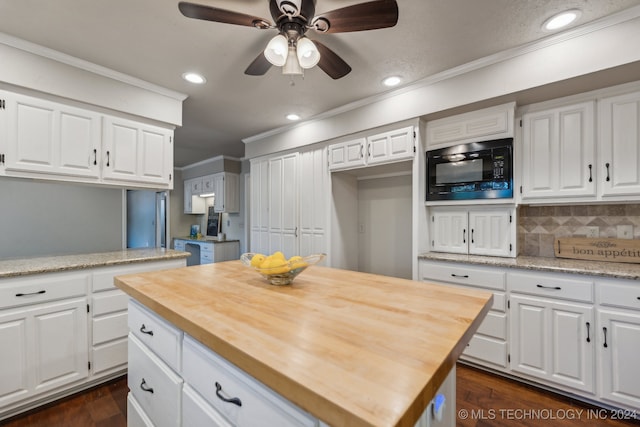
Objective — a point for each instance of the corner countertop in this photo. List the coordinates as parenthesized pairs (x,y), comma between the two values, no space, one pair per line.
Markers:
(353,349)
(616,270)
(50,264)
(205,239)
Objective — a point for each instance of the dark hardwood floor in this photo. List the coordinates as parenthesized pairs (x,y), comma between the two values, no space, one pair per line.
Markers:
(482,400)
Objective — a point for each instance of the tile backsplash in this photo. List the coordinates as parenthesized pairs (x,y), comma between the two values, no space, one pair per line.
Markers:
(539,226)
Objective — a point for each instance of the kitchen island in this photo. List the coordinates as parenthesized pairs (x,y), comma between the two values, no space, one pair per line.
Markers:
(350,348)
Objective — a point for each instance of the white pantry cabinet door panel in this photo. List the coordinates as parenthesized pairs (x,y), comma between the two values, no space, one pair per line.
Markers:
(15,357)
(79,143)
(120,149)
(153,161)
(619,345)
(314,193)
(61,348)
(620,145)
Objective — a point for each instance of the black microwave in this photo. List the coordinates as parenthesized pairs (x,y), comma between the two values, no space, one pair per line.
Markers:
(476,170)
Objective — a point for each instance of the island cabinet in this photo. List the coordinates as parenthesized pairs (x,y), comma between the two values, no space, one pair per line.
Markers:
(329,355)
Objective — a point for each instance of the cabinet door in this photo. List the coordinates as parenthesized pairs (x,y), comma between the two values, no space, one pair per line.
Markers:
(193,203)
(618,342)
(347,155)
(136,153)
(283,204)
(559,152)
(390,146)
(619,145)
(60,350)
(47,137)
(314,191)
(15,369)
(218,189)
(259,206)
(449,231)
(490,232)
(553,341)
(226,187)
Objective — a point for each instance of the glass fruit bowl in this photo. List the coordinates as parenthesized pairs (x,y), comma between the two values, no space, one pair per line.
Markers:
(279,271)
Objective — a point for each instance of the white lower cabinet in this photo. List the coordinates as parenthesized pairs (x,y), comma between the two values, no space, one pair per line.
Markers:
(489,345)
(618,342)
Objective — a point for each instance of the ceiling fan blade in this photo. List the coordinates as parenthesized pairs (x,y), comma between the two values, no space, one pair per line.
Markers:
(259,66)
(208,13)
(360,17)
(331,63)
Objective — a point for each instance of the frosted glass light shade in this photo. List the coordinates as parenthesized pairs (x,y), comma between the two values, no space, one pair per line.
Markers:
(277,50)
(307,52)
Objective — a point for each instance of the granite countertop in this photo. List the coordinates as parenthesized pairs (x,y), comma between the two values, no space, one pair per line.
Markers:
(205,239)
(50,264)
(558,265)
(334,342)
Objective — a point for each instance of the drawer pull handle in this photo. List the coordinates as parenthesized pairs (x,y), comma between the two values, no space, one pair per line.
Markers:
(144,330)
(590,174)
(31,293)
(466,276)
(555,288)
(464,236)
(607,166)
(605,337)
(233,400)
(588,334)
(143,386)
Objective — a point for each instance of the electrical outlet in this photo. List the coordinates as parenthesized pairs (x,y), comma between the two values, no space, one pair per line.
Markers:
(625,231)
(592,231)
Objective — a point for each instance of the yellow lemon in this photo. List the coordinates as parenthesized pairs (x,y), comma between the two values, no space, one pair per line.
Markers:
(278,255)
(257,260)
(273,265)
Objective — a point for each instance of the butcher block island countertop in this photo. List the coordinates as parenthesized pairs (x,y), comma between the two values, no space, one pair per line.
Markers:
(351,348)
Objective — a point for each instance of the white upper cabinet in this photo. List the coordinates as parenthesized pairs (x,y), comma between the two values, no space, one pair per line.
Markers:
(489,123)
(226,187)
(48,140)
(45,137)
(619,141)
(385,147)
(135,152)
(347,155)
(390,146)
(558,154)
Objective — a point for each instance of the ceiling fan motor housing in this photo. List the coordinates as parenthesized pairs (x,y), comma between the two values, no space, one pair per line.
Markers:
(288,10)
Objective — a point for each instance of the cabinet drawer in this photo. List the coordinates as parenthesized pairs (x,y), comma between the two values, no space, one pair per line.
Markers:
(206,257)
(463,275)
(109,356)
(161,337)
(619,294)
(487,349)
(197,412)
(206,248)
(203,369)
(37,289)
(135,415)
(109,302)
(154,385)
(551,286)
(109,327)
(494,325)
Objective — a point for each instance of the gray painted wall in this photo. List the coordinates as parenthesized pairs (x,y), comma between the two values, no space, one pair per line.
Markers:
(46,218)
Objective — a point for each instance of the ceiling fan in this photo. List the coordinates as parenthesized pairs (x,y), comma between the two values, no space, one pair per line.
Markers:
(291,49)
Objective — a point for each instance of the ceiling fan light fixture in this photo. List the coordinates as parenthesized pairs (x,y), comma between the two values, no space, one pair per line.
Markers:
(194,78)
(277,50)
(292,66)
(561,20)
(307,52)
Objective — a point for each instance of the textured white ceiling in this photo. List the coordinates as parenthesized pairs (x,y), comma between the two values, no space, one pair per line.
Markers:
(151,40)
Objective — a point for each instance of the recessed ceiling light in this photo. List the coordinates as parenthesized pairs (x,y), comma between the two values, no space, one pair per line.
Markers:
(194,78)
(293,117)
(561,20)
(392,81)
